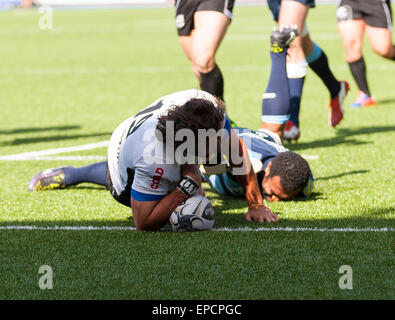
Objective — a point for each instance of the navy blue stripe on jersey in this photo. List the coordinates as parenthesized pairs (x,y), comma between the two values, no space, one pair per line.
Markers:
(139,196)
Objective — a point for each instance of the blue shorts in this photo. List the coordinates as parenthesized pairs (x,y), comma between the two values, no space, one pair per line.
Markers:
(274,6)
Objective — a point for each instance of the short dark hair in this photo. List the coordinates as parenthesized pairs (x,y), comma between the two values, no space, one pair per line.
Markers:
(293,169)
(195,114)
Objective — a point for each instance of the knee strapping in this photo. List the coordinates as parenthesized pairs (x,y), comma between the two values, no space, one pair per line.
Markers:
(297,70)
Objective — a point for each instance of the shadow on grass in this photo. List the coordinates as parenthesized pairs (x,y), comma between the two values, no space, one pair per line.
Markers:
(343,136)
(53,138)
(386,101)
(31,130)
(380,212)
(342,175)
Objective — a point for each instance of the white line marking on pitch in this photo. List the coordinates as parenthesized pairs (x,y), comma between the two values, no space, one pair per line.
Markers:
(310,157)
(225,229)
(67,158)
(35,154)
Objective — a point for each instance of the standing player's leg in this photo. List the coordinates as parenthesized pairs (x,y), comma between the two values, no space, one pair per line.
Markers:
(210,30)
(294,13)
(295,83)
(318,62)
(276,99)
(379,28)
(59,178)
(351,33)
(200,43)
(380,40)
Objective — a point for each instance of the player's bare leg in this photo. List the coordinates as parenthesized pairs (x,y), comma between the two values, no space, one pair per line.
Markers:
(319,63)
(186,45)
(307,44)
(202,44)
(351,33)
(294,13)
(380,40)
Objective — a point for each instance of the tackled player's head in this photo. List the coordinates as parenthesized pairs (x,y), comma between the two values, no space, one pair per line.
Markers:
(195,114)
(285,176)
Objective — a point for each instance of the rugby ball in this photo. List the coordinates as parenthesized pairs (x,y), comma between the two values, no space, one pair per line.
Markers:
(194,214)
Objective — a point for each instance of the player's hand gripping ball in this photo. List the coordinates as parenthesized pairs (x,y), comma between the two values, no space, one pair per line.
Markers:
(194,214)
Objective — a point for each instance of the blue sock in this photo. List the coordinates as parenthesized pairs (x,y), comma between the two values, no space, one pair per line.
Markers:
(276,99)
(94,173)
(295,91)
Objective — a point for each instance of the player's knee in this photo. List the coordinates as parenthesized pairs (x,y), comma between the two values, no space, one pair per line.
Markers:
(353,50)
(204,62)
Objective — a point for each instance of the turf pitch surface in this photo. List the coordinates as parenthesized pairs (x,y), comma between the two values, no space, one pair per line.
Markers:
(74,84)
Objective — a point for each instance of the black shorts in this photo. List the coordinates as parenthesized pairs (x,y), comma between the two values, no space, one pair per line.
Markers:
(124,197)
(376,13)
(185,10)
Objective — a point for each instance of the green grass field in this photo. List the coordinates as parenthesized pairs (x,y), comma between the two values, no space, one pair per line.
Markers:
(74,84)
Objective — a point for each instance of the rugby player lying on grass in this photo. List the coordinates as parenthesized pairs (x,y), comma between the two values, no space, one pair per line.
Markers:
(281,174)
(144,172)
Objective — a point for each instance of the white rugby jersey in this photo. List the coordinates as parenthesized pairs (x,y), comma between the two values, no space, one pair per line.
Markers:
(134,145)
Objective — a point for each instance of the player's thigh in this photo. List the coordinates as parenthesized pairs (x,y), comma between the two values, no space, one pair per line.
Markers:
(293,12)
(378,18)
(186,45)
(351,33)
(380,40)
(210,28)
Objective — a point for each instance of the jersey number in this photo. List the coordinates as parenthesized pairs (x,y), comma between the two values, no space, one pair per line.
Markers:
(142,116)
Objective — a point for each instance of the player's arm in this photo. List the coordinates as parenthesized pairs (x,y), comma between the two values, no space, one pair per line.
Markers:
(240,163)
(153,215)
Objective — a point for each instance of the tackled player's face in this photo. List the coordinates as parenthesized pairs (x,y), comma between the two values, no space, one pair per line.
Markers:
(272,188)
